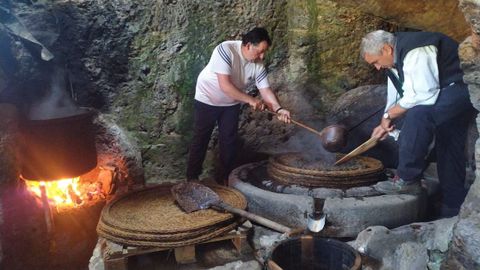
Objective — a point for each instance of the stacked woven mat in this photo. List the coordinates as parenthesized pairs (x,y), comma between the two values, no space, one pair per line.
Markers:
(295,169)
(151,218)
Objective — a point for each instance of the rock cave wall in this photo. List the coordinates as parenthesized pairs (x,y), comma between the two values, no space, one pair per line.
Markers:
(310,65)
(137,61)
(464,252)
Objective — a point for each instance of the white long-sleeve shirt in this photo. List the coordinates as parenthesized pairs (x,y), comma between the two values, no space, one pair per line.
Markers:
(421,84)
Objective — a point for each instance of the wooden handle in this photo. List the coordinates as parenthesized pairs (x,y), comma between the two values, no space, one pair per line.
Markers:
(359,150)
(258,219)
(273,265)
(299,124)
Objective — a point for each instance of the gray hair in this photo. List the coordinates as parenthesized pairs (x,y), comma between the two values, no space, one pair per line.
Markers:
(372,43)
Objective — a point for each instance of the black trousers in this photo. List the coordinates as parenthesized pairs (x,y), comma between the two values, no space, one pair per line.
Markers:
(205,119)
(446,122)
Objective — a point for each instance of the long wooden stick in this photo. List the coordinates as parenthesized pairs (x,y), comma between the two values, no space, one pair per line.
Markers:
(299,124)
(260,220)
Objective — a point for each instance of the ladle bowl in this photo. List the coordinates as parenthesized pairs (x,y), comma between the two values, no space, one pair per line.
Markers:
(334,137)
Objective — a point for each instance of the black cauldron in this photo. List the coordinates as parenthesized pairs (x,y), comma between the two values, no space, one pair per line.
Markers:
(58,148)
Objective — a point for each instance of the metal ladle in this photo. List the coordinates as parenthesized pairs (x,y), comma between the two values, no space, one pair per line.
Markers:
(333,137)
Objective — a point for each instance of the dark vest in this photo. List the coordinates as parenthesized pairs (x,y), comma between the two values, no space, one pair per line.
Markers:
(447,54)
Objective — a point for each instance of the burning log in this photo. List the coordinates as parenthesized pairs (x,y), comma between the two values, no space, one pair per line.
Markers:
(75,198)
(46,209)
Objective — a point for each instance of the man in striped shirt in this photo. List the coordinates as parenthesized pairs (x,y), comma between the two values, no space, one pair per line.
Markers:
(233,67)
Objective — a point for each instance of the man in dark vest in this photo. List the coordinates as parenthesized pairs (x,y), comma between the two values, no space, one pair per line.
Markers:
(426,90)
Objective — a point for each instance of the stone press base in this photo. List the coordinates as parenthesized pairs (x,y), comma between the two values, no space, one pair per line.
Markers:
(348,211)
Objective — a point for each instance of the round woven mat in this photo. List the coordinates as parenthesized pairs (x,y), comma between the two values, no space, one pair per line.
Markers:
(151,217)
(290,168)
(293,162)
(103,229)
(170,243)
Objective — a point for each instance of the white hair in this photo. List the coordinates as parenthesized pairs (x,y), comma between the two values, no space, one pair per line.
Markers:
(372,43)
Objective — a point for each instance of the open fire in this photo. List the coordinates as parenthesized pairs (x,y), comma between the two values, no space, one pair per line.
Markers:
(66,193)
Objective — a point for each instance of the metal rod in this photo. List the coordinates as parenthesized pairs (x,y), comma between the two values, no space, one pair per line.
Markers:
(366,118)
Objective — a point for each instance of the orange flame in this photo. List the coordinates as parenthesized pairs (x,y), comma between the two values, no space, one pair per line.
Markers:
(61,193)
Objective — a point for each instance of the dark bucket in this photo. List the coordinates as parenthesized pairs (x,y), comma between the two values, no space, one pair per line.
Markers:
(57,148)
(314,253)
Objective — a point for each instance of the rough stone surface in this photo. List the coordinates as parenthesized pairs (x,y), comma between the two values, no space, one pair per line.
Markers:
(263,241)
(409,245)
(324,193)
(239,265)
(361,191)
(466,243)
(348,216)
(9,125)
(9,168)
(470,9)
(410,256)
(116,148)
(294,189)
(96,262)
(421,15)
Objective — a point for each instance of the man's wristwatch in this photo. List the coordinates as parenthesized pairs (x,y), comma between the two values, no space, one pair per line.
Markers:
(386,116)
